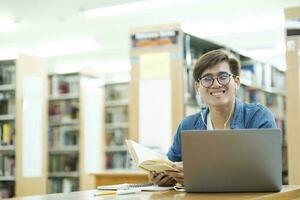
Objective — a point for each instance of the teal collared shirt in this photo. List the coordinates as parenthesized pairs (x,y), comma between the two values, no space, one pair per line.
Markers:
(246,116)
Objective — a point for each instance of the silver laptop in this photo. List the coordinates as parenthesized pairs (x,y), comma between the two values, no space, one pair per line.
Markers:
(240,160)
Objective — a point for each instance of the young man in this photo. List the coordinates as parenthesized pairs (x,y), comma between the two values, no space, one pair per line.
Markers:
(216,76)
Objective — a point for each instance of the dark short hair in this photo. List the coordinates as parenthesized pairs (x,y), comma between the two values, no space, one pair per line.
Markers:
(214,57)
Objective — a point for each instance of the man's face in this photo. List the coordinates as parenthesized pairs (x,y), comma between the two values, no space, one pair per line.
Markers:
(222,92)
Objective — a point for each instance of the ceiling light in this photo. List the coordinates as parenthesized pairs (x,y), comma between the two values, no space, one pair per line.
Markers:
(202,29)
(125,8)
(241,25)
(277,50)
(67,47)
(13,53)
(258,23)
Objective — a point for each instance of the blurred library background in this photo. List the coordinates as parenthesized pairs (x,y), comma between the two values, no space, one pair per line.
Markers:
(78,79)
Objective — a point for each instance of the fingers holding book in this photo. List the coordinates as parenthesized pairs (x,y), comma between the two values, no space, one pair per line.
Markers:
(161,179)
(177,174)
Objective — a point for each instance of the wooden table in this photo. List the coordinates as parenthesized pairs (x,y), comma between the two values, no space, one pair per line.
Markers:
(288,192)
(111,177)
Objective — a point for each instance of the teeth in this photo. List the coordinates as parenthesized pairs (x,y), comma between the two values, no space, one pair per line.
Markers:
(217,93)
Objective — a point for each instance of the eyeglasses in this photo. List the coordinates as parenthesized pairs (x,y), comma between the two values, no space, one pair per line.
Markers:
(223,79)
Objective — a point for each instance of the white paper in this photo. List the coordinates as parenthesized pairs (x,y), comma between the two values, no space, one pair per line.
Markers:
(93,116)
(155,113)
(32,116)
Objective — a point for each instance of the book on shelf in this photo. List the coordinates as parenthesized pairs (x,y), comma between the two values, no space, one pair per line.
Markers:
(118,114)
(7,102)
(147,159)
(116,160)
(267,77)
(278,79)
(64,84)
(7,135)
(59,185)
(116,137)
(6,189)
(7,74)
(7,165)
(63,111)
(54,112)
(69,110)
(117,92)
(63,136)
(63,163)
(67,185)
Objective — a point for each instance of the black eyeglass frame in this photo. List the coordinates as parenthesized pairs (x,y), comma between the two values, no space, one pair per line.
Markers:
(217,77)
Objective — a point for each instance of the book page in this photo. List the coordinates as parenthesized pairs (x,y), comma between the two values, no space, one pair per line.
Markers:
(143,153)
(157,167)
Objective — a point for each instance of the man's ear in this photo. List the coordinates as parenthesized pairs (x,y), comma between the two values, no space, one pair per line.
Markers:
(237,81)
(196,86)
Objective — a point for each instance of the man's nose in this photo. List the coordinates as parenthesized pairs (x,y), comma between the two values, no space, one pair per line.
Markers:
(216,83)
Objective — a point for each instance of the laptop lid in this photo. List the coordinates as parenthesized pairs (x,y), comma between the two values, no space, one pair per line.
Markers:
(239,160)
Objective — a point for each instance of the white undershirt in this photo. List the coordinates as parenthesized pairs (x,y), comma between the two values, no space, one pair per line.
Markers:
(209,123)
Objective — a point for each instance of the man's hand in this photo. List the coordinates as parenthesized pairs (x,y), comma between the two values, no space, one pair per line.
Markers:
(161,179)
(177,175)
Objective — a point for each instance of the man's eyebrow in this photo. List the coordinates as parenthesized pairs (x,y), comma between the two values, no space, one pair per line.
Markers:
(222,72)
(208,74)
(211,74)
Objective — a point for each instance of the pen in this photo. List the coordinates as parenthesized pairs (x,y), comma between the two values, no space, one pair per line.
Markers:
(119,192)
(105,193)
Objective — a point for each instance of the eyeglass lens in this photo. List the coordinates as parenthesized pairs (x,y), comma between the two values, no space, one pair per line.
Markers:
(222,78)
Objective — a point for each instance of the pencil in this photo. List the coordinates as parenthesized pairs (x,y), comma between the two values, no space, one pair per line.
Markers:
(105,193)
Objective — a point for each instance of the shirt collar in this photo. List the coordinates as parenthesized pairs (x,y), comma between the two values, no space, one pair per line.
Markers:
(237,120)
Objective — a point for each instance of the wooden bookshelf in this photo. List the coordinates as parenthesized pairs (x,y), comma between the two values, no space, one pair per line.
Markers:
(18,78)
(156,85)
(293,95)
(261,82)
(117,127)
(74,132)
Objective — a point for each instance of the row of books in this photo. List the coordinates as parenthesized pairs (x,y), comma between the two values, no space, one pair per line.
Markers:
(117,92)
(275,102)
(63,132)
(7,133)
(63,163)
(7,165)
(7,102)
(7,130)
(63,136)
(7,74)
(7,189)
(116,114)
(63,111)
(116,137)
(260,75)
(64,84)
(59,185)
(189,89)
(117,160)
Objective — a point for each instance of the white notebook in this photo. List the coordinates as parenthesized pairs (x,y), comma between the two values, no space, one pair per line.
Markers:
(143,187)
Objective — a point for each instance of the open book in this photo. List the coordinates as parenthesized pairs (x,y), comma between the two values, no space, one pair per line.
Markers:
(147,159)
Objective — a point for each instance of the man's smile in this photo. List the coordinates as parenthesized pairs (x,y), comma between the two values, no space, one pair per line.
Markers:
(217,93)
